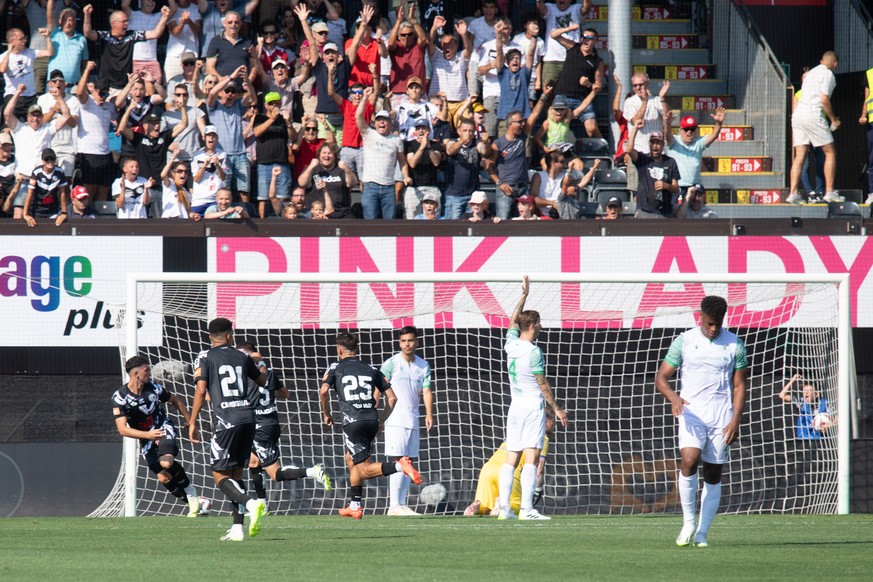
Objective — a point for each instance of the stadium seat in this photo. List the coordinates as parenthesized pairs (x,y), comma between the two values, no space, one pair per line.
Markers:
(610,176)
(589,210)
(844,210)
(602,195)
(106,209)
(594,148)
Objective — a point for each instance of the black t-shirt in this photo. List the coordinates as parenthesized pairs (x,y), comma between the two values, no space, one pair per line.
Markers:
(272,146)
(225,370)
(46,200)
(264,397)
(424,173)
(650,171)
(151,153)
(462,171)
(577,66)
(335,185)
(354,383)
(340,84)
(144,411)
(117,59)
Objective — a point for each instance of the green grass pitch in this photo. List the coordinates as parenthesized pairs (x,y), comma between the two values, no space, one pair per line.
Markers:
(325,548)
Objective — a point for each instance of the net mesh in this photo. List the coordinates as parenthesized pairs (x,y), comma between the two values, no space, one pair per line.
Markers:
(602,342)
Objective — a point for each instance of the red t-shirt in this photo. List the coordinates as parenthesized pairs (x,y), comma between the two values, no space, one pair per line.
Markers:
(406,62)
(278,53)
(351,133)
(367,55)
(305,155)
(622,137)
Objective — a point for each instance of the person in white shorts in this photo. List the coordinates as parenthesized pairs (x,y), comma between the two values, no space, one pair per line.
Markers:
(809,127)
(526,421)
(410,379)
(709,408)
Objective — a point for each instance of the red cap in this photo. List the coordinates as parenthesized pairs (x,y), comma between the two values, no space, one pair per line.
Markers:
(79,192)
(688,122)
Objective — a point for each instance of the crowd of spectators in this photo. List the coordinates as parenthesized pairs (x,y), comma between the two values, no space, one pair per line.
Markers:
(226,109)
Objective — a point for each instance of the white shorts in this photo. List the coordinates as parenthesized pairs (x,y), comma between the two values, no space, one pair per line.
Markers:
(401,441)
(525,426)
(808,130)
(694,434)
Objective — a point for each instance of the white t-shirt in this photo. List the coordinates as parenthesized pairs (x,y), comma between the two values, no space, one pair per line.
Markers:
(482,32)
(94,126)
(524,361)
(171,208)
(148,50)
(29,144)
(653,119)
(408,380)
(488,52)
(187,40)
(521,40)
(408,113)
(560,19)
(189,139)
(65,139)
(818,81)
(380,157)
(204,191)
(20,72)
(449,76)
(132,206)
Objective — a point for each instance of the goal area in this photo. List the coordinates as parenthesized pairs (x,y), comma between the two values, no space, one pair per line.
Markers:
(603,338)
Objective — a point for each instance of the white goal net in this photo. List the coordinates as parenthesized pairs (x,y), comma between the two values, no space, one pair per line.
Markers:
(603,342)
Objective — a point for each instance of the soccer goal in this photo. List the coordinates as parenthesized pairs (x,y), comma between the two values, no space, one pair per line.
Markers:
(603,338)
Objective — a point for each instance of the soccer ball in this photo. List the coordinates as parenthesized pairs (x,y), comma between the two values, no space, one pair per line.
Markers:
(432,495)
(821,422)
(205,505)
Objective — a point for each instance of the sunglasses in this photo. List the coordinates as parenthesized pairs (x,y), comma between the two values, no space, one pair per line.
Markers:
(50,159)
(638,84)
(320,32)
(56,81)
(269,32)
(356,92)
(405,34)
(688,129)
(180,171)
(188,63)
(586,37)
(310,129)
(103,94)
(230,91)
(180,94)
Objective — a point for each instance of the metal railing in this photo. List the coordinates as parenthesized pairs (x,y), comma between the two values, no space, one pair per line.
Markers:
(754,75)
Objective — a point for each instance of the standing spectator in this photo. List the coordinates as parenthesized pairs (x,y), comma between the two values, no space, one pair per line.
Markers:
(321,67)
(367,52)
(424,157)
(279,80)
(352,152)
(141,97)
(688,149)
(406,46)
(209,166)
(524,39)
(132,192)
(118,42)
(16,64)
(658,176)
(694,205)
(189,77)
(70,47)
(229,51)
(431,9)
(47,193)
(185,26)
(414,109)
(482,29)
(329,183)
(513,75)
(213,18)
(145,54)
(641,106)
(464,160)
(95,115)
(64,141)
(509,161)
(810,128)
(306,147)
(40,13)
(382,152)
(268,49)
(80,206)
(225,113)
(36,135)
(175,197)
(561,14)
(488,70)
(273,134)
(9,183)
(188,139)
(581,74)
(448,65)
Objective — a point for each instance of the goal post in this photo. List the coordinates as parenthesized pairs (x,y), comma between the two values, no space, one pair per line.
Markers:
(603,339)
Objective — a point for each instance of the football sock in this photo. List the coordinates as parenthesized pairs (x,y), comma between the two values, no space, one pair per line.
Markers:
(391,468)
(235,512)
(528,484)
(709,500)
(356,491)
(256,476)
(179,475)
(310,471)
(404,487)
(688,496)
(191,492)
(507,474)
(234,491)
(290,474)
(395,487)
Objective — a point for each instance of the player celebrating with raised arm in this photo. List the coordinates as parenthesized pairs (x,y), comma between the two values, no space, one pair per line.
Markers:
(709,409)
(139,414)
(222,371)
(526,421)
(265,447)
(359,387)
(409,375)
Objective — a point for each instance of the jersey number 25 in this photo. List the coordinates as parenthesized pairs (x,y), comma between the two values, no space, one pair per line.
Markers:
(357,388)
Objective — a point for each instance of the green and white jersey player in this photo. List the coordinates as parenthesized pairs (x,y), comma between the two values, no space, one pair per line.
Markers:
(526,421)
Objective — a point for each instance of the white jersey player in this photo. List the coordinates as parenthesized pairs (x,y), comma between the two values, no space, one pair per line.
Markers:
(410,379)
(526,421)
(709,408)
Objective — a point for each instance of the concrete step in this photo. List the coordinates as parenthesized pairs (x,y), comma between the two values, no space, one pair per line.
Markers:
(760,181)
(670,57)
(705,88)
(647,27)
(654,42)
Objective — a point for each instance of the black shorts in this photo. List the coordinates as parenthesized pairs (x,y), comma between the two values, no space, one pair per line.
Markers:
(152,452)
(231,447)
(96,169)
(266,444)
(359,437)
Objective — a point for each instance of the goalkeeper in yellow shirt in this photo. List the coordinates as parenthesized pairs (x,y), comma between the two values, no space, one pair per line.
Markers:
(487,500)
